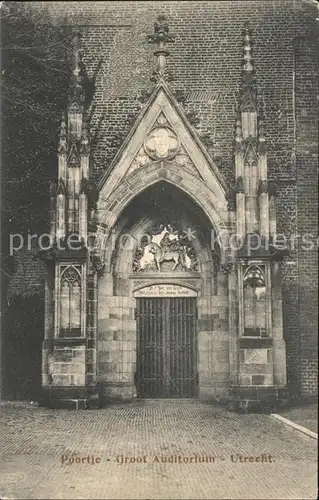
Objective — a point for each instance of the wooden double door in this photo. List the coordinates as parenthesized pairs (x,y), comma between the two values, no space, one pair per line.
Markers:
(166,347)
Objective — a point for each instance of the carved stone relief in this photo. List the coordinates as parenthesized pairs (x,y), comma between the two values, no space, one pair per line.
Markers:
(140,160)
(165,249)
(183,160)
(161,143)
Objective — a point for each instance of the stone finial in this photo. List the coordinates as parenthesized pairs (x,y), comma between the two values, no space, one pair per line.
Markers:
(76,87)
(85,144)
(261,134)
(248,65)
(76,55)
(160,37)
(238,135)
(62,141)
(248,91)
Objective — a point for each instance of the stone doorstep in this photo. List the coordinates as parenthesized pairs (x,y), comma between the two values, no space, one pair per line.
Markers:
(67,392)
(74,403)
(80,404)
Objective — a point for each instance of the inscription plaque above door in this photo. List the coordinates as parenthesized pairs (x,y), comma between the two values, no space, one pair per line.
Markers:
(165,290)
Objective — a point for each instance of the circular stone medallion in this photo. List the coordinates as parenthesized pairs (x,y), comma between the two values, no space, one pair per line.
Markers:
(161,143)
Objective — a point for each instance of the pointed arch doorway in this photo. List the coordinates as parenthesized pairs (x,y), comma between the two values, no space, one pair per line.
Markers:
(165,302)
(164,295)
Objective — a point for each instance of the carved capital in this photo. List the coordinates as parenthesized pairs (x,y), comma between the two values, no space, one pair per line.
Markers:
(228,267)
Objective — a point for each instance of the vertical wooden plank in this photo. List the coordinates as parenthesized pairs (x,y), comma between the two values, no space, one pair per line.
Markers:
(167,347)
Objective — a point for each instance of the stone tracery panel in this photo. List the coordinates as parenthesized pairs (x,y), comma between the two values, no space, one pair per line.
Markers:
(255,301)
(70,301)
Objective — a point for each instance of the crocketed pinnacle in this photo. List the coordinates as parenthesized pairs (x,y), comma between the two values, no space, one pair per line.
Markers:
(160,38)
(63,140)
(76,92)
(238,134)
(261,134)
(248,90)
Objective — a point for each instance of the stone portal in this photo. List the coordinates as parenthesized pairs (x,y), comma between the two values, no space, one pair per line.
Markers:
(162,219)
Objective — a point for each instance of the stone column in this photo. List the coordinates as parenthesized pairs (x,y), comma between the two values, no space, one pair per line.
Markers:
(272,215)
(48,324)
(279,345)
(233,330)
(61,226)
(264,209)
(263,185)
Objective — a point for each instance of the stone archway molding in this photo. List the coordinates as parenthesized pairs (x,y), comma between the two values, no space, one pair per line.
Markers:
(213,204)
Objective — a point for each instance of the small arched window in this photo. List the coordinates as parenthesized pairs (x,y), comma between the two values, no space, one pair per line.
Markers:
(70,302)
(255,301)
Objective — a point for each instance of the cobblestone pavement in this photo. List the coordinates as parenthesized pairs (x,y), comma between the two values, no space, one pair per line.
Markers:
(34,440)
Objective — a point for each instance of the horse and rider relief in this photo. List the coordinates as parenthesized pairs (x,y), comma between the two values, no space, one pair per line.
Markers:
(165,251)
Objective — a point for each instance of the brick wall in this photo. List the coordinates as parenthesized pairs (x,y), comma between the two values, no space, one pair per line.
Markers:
(206,63)
(307,134)
(29,272)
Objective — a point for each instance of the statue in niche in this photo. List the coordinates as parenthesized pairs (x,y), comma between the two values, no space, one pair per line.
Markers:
(166,246)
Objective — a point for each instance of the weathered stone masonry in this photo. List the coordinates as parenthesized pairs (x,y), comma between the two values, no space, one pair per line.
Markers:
(206,63)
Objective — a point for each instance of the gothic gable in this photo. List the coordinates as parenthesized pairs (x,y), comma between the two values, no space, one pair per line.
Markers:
(161,135)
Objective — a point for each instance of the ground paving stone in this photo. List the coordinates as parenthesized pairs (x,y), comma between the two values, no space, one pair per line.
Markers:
(33,441)
(305,415)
